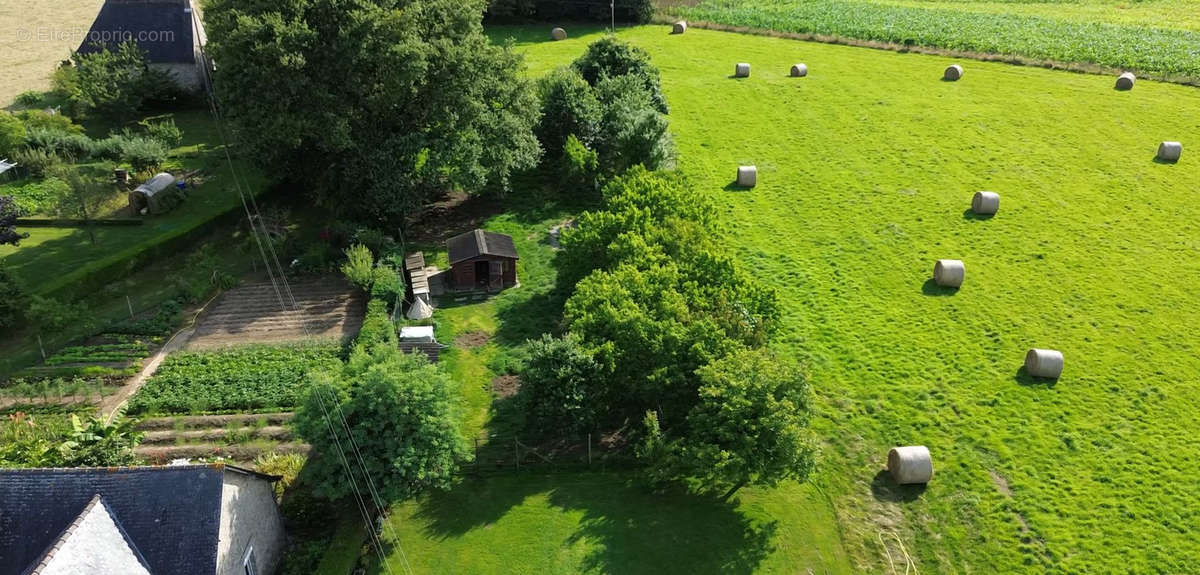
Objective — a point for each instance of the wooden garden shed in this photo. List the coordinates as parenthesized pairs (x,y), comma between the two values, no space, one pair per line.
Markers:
(482,260)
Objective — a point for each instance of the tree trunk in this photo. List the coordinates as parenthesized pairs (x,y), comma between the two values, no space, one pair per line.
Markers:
(733,490)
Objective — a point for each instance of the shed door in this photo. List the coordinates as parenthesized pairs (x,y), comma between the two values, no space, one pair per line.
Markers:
(496,274)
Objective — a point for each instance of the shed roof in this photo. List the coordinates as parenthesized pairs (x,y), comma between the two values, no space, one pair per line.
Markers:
(170,514)
(477,243)
(161,28)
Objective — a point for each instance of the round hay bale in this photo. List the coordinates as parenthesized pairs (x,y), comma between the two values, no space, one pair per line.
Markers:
(1170,151)
(680,27)
(1044,363)
(1125,81)
(949,273)
(742,70)
(747,176)
(558,34)
(953,72)
(799,70)
(985,203)
(910,464)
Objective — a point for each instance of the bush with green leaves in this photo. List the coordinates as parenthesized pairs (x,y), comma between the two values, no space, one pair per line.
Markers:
(52,121)
(13,299)
(402,413)
(561,386)
(49,315)
(30,98)
(359,267)
(377,328)
(41,196)
(113,82)
(569,107)
(12,133)
(633,131)
(611,57)
(163,131)
(10,212)
(60,143)
(580,167)
(29,441)
(36,163)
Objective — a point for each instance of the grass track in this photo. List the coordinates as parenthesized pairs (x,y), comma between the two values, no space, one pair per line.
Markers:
(866,169)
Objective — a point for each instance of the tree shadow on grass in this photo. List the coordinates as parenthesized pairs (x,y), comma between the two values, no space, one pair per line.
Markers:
(529,318)
(630,529)
(931,288)
(1023,377)
(884,488)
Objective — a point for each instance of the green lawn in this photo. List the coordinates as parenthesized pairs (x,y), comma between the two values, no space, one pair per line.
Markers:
(1158,37)
(604,523)
(55,258)
(866,170)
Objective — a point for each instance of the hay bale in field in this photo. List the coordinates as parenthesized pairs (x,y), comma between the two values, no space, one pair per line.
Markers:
(1044,363)
(985,203)
(949,273)
(1125,81)
(747,176)
(558,34)
(680,27)
(1170,151)
(741,70)
(910,464)
(799,70)
(953,72)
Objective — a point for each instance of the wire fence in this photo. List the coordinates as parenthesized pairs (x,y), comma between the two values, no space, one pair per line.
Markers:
(511,452)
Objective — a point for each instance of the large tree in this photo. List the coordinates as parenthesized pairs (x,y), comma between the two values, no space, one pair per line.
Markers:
(402,419)
(375,104)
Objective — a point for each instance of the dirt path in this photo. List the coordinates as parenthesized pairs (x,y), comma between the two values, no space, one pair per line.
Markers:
(112,404)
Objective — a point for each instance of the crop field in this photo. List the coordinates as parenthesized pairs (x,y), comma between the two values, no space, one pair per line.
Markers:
(866,172)
(1157,37)
(236,379)
(37,34)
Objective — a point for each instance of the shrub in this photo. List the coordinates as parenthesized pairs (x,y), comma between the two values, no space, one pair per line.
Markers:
(37,119)
(359,266)
(10,212)
(142,153)
(633,131)
(611,57)
(377,328)
(37,163)
(569,107)
(12,299)
(581,167)
(12,133)
(59,143)
(49,315)
(561,386)
(41,196)
(164,132)
(113,82)
(386,283)
(30,98)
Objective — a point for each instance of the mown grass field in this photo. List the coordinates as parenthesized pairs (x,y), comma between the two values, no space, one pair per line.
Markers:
(866,170)
(37,34)
(1159,37)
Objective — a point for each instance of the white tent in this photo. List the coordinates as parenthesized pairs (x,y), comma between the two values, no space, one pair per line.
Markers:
(419,310)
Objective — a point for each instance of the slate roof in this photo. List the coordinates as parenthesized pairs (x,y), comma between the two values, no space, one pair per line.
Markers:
(161,28)
(480,243)
(171,514)
(93,543)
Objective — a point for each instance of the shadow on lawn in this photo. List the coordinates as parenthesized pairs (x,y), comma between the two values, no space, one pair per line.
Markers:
(1023,377)
(884,488)
(632,530)
(931,288)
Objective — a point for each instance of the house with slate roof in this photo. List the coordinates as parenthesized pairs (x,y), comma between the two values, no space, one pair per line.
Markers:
(169,32)
(165,520)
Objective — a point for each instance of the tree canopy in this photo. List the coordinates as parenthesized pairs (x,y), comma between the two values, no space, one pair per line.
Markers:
(401,415)
(9,213)
(376,105)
